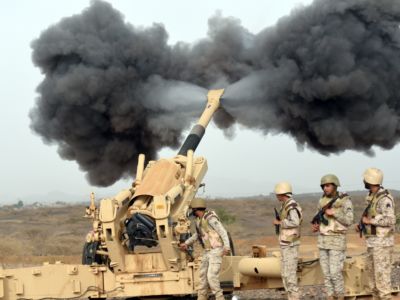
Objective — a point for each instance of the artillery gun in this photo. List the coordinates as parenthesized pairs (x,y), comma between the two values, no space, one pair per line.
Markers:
(132,250)
(153,213)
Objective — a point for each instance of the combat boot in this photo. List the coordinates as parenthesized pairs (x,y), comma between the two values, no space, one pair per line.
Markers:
(202,295)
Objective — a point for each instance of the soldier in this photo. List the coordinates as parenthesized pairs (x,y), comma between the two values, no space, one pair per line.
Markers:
(290,217)
(379,220)
(336,211)
(215,242)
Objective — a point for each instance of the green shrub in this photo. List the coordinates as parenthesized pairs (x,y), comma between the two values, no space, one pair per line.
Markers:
(225,217)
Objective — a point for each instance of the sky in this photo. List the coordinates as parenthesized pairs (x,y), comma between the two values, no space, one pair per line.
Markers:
(245,165)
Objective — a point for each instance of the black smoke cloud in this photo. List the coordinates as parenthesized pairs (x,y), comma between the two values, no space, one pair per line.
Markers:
(326,74)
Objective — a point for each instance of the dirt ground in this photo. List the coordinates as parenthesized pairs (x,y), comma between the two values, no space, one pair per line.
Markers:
(33,235)
(61,230)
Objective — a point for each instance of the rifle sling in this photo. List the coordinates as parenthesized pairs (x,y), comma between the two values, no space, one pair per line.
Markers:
(200,235)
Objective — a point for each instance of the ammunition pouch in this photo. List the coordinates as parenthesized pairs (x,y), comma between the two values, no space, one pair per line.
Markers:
(289,236)
(141,230)
(378,231)
(373,229)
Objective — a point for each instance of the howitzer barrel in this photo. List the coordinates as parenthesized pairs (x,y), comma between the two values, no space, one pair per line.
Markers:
(197,132)
(260,267)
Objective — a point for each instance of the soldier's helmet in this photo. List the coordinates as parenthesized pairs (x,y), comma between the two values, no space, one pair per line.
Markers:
(330,178)
(198,203)
(283,188)
(373,176)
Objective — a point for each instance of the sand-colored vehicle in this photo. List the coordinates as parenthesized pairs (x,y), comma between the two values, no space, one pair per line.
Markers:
(132,250)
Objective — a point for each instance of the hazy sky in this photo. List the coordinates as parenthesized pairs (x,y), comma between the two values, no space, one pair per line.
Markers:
(248,164)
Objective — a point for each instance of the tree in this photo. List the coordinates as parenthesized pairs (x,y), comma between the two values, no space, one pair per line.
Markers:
(19,204)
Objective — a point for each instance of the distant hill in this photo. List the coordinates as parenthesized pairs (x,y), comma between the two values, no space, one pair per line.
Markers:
(56,197)
(303,196)
(53,197)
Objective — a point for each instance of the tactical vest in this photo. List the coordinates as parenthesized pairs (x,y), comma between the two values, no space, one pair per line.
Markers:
(374,199)
(289,235)
(210,239)
(334,227)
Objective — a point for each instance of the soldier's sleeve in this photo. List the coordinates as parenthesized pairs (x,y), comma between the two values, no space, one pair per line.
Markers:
(345,214)
(386,216)
(292,220)
(219,228)
(192,239)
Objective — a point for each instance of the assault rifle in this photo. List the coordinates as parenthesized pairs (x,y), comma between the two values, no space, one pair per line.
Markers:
(319,217)
(189,250)
(277,227)
(361,226)
(200,237)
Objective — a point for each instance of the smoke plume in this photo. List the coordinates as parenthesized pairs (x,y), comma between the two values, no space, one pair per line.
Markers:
(326,75)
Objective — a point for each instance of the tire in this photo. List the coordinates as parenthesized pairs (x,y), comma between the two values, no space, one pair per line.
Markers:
(89,255)
(231,244)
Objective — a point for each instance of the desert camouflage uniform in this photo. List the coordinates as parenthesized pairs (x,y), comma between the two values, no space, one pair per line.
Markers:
(289,239)
(380,241)
(214,239)
(332,243)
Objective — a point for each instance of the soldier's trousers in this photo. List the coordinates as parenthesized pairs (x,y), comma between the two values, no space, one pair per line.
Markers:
(379,266)
(209,274)
(332,262)
(289,261)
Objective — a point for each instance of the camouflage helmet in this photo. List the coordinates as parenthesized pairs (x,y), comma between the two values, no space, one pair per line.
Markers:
(373,176)
(283,188)
(198,203)
(330,178)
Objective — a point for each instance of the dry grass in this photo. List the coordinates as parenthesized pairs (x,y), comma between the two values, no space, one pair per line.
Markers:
(31,236)
(42,231)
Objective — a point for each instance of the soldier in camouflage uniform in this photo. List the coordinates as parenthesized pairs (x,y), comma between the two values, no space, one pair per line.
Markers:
(332,228)
(290,217)
(379,220)
(215,242)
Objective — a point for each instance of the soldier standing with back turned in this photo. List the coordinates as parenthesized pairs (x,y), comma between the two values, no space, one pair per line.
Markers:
(215,242)
(290,217)
(337,216)
(379,219)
